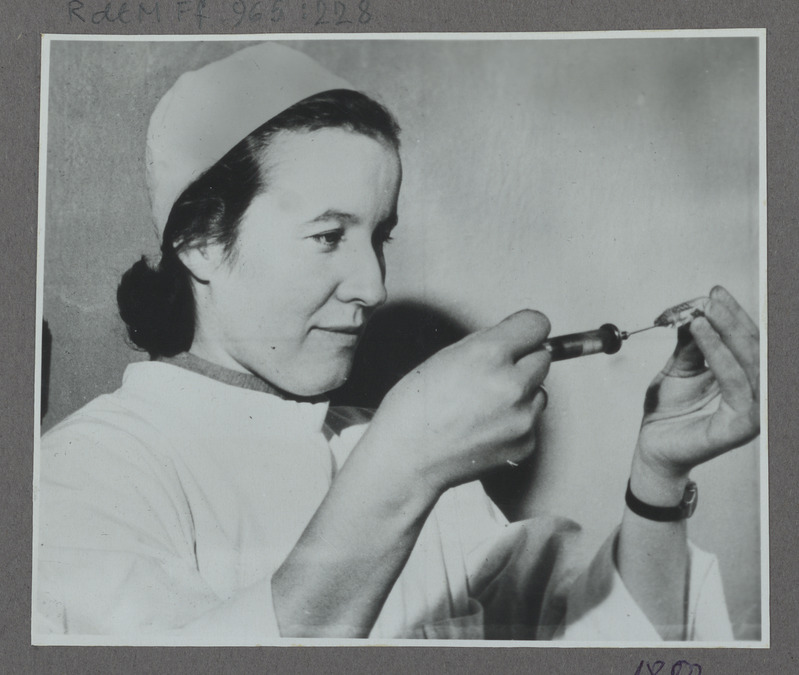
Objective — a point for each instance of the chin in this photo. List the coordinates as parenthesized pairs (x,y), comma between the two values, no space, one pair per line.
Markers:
(332,379)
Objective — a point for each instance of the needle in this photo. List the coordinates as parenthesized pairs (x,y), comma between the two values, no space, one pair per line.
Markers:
(627,334)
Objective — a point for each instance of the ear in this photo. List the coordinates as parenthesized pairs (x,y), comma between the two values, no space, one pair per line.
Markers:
(202,261)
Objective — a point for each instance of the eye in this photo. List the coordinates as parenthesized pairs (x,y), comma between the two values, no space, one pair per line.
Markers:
(329,240)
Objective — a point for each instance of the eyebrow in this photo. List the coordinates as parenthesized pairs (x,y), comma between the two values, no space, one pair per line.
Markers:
(344,218)
(333,214)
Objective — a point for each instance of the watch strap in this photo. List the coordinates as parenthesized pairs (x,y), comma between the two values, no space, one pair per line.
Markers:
(665,514)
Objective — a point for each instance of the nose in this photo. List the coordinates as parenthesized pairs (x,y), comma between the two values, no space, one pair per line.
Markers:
(363,277)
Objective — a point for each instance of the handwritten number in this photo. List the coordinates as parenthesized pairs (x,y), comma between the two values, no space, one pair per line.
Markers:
(678,668)
(240,9)
(321,9)
(692,668)
(255,13)
(364,16)
(340,9)
(277,11)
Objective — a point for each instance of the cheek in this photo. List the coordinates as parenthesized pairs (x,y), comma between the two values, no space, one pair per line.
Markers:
(282,302)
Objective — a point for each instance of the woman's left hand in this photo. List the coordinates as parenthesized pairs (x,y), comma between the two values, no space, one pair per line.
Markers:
(694,412)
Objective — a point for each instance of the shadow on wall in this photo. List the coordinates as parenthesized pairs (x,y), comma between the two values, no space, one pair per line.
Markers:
(398,338)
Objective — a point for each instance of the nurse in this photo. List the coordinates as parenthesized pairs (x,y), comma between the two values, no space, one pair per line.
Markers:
(216,498)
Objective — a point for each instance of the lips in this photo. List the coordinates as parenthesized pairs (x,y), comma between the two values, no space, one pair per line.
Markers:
(341,337)
(353,331)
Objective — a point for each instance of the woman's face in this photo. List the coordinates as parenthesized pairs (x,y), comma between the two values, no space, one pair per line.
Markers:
(307,270)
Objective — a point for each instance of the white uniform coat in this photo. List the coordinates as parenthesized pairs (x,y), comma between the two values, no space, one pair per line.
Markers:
(165,508)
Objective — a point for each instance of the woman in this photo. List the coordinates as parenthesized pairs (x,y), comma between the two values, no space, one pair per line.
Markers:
(214,497)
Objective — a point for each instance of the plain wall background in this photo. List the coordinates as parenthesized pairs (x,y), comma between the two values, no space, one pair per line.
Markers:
(595,180)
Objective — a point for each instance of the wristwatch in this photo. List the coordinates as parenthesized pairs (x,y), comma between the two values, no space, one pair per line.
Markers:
(665,514)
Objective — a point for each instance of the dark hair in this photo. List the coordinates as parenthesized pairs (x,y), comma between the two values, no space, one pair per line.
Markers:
(157,304)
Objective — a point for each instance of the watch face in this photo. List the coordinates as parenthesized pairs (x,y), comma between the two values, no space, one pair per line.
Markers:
(689,499)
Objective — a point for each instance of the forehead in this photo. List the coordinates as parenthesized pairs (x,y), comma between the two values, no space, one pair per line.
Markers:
(337,169)
(328,153)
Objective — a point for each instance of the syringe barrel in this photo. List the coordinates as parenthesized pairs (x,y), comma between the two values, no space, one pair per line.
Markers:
(606,339)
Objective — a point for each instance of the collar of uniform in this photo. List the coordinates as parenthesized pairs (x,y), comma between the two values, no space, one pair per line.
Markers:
(234,378)
(197,382)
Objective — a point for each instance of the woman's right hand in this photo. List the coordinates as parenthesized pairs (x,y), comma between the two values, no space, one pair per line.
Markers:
(470,408)
(467,410)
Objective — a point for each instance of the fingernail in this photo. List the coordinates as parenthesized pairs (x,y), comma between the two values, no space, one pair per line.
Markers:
(544,391)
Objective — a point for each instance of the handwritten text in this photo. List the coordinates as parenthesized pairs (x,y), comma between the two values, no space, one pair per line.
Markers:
(343,14)
(678,668)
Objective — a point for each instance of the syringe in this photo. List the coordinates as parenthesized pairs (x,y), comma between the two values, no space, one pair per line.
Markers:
(607,339)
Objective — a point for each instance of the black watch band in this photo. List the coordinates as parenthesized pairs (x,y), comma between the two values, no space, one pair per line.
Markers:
(664,514)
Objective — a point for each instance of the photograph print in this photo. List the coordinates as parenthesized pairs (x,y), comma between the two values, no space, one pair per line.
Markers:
(442,339)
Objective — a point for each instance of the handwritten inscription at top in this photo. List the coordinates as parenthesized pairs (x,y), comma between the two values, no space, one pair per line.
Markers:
(344,14)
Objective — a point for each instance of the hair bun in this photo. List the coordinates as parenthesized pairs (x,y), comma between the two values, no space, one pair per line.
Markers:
(157,307)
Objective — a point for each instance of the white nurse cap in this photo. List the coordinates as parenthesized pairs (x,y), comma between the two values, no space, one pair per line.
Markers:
(208,111)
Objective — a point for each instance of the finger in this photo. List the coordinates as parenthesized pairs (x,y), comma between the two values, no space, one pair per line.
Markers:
(736,335)
(533,369)
(540,400)
(538,404)
(531,415)
(733,381)
(721,295)
(687,359)
(520,333)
